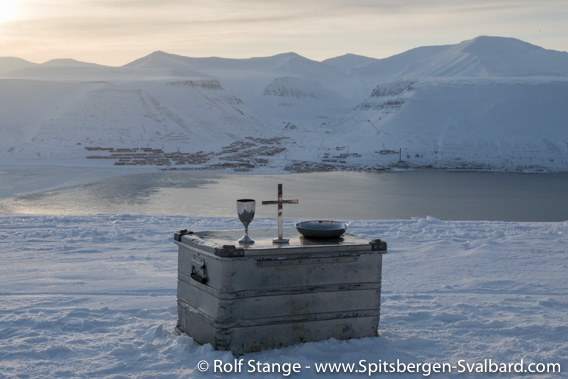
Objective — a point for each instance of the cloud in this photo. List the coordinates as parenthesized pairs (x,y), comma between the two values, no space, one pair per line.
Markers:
(140,14)
(255,11)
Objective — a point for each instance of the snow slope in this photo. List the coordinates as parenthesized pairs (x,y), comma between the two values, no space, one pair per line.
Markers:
(487,103)
(510,123)
(96,297)
(192,114)
(481,57)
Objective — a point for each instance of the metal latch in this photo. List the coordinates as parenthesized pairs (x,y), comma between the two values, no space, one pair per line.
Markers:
(378,245)
(180,233)
(198,270)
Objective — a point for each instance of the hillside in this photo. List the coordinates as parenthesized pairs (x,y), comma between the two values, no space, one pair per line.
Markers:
(487,103)
(482,57)
(10,64)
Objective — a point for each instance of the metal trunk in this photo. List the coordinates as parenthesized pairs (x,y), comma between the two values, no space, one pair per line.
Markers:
(254,297)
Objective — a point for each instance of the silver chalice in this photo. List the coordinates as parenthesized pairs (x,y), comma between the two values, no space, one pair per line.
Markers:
(245,209)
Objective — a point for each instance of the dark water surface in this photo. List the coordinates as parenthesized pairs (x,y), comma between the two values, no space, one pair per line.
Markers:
(335,195)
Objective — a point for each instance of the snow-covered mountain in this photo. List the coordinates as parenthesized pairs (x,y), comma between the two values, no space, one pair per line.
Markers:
(9,64)
(490,103)
(481,57)
(348,62)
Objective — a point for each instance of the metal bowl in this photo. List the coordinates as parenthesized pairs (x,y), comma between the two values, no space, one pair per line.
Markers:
(321,229)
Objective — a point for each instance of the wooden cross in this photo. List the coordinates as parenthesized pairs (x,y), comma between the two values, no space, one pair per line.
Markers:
(280,217)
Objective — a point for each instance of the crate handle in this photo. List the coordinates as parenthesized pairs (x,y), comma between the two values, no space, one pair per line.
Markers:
(198,270)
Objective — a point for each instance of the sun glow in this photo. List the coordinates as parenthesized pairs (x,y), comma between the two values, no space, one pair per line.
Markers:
(7,10)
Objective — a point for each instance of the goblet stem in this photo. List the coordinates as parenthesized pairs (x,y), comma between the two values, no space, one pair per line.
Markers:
(246,239)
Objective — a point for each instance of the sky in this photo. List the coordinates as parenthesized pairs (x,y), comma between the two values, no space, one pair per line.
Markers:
(116,32)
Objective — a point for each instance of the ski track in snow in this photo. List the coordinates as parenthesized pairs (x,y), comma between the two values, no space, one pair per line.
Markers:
(95,296)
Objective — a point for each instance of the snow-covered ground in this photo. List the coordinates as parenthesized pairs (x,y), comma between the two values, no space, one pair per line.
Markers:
(95,296)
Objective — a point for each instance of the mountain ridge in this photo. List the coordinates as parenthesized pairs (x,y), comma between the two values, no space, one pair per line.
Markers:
(486,103)
(476,46)
(480,57)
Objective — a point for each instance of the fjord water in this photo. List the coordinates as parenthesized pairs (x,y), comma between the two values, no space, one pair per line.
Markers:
(333,195)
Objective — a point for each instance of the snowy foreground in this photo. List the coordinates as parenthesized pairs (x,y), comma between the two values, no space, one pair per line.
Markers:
(95,296)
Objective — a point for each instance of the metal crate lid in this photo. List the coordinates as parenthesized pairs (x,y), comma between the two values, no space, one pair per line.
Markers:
(224,243)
